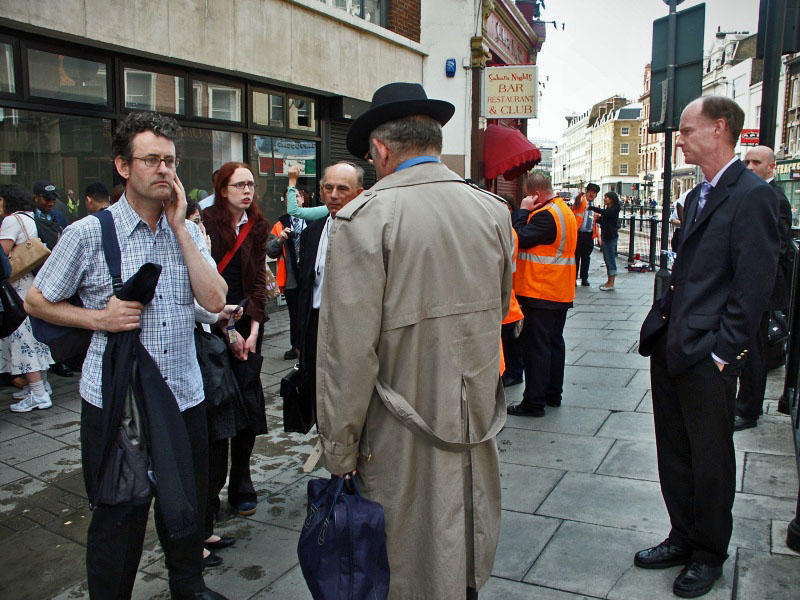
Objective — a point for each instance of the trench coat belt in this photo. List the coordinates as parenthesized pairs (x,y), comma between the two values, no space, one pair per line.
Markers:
(411,419)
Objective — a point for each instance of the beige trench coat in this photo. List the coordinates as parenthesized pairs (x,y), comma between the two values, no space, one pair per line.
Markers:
(417,280)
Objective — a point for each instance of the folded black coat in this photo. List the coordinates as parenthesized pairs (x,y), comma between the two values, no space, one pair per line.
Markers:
(127,365)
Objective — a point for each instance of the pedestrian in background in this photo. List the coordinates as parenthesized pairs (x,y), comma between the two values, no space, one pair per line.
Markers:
(697,336)
(97,197)
(609,235)
(586,231)
(20,352)
(239,236)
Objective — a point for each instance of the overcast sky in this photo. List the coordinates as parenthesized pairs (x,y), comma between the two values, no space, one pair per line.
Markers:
(604,48)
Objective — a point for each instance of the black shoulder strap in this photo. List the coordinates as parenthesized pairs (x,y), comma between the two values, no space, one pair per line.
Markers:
(111,247)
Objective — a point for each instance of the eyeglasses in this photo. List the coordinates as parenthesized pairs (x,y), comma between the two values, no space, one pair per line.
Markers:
(243,184)
(154,160)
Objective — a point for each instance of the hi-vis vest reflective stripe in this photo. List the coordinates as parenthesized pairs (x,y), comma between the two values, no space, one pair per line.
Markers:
(547,272)
(280,276)
(579,210)
(514,311)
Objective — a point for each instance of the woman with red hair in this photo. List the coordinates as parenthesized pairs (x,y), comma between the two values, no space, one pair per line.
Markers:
(239,235)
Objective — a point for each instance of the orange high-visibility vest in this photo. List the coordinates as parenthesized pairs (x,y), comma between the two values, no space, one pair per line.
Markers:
(280,276)
(547,272)
(514,311)
(579,210)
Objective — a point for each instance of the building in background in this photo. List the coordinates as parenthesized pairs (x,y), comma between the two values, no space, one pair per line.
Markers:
(271,83)
(615,150)
(547,149)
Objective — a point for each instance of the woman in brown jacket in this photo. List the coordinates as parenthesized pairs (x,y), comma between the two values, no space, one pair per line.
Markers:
(233,219)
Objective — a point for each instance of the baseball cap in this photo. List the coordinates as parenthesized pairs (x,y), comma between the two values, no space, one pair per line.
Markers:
(44,187)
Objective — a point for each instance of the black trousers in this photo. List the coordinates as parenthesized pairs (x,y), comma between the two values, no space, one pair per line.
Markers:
(541,344)
(511,352)
(583,254)
(291,303)
(753,383)
(116,533)
(693,416)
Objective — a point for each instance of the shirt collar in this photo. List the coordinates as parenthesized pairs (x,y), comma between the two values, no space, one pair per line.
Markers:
(417,160)
(243,220)
(127,220)
(718,176)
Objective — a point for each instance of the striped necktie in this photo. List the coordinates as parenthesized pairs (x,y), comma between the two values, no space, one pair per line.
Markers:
(705,190)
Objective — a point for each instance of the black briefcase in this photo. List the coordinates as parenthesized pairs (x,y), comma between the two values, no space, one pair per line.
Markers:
(299,407)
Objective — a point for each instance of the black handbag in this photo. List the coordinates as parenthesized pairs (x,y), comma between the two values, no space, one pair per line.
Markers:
(299,407)
(13,308)
(219,383)
(248,377)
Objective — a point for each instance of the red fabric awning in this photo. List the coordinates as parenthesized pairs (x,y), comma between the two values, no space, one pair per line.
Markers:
(508,153)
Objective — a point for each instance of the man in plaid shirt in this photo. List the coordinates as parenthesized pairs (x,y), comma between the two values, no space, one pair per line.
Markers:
(151,225)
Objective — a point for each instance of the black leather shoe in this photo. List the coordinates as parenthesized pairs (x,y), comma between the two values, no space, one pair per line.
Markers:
(523,411)
(222,542)
(61,370)
(290,355)
(740,423)
(666,554)
(553,402)
(212,560)
(509,381)
(585,283)
(208,594)
(695,579)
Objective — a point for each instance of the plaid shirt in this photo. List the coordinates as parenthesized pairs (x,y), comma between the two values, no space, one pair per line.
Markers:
(167,324)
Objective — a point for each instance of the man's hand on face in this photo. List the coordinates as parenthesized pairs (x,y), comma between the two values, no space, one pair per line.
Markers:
(294,174)
(175,207)
(120,315)
(527,203)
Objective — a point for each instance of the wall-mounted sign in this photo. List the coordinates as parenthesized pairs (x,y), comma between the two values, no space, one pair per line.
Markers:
(505,42)
(510,92)
(8,168)
(750,137)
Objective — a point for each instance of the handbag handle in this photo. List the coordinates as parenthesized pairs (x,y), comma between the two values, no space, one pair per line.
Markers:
(24,229)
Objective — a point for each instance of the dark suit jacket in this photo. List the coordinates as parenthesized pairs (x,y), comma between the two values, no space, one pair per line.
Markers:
(309,243)
(722,277)
(783,279)
(254,262)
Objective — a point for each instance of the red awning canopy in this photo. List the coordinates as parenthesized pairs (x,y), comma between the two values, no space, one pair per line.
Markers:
(508,153)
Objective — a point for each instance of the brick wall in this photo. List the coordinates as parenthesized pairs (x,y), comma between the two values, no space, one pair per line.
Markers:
(403,17)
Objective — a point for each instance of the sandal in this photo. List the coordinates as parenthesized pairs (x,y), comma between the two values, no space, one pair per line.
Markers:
(607,288)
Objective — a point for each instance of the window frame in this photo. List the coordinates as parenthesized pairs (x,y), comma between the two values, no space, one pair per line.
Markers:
(158,69)
(286,108)
(213,80)
(625,131)
(253,89)
(621,169)
(624,149)
(16,68)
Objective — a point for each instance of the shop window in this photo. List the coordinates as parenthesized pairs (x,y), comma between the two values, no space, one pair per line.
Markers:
(271,158)
(217,101)
(302,114)
(369,10)
(70,151)
(7,80)
(203,152)
(63,77)
(268,109)
(148,90)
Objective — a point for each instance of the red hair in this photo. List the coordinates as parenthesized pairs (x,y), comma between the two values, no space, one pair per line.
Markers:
(219,211)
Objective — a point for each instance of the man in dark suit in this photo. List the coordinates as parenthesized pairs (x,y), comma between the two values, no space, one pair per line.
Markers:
(340,183)
(750,399)
(698,334)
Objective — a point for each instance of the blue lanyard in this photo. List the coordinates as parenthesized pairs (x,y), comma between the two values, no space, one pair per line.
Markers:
(418,160)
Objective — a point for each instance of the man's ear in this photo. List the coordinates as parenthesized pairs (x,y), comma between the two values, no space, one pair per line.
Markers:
(123,167)
(383,149)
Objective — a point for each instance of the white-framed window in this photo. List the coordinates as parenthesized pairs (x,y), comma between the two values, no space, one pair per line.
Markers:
(626,131)
(623,169)
(140,89)
(224,103)
(795,93)
(623,148)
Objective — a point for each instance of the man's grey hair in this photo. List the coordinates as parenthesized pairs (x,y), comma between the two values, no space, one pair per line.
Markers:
(409,134)
(359,172)
(137,122)
(538,181)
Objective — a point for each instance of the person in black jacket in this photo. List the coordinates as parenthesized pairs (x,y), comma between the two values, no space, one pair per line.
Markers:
(609,234)
(753,383)
(698,333)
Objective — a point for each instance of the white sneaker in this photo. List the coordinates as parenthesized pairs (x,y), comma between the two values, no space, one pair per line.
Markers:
(23,393)
(32,401)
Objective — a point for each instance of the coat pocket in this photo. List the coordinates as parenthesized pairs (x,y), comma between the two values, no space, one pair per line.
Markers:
(704,322)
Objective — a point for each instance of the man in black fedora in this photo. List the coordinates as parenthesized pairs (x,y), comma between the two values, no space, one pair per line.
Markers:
(418,279)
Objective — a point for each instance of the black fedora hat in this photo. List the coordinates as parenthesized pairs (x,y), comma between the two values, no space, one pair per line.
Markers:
(393,101)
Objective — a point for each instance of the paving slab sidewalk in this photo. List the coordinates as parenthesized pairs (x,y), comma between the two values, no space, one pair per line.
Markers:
(580,486)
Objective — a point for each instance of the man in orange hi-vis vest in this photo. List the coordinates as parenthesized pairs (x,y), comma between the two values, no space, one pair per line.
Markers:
(544,283)
(587,231)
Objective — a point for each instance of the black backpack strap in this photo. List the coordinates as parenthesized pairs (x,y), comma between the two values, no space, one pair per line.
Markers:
(111,247)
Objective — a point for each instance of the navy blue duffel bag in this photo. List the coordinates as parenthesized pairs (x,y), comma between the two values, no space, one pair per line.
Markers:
(342,547)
